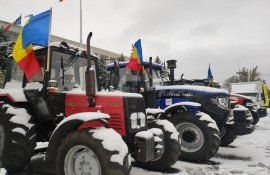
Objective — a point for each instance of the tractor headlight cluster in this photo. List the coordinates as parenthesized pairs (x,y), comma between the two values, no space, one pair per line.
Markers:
(223,102)
(137,120)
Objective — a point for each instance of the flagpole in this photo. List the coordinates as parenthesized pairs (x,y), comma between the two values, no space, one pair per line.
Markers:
(81,24)
(49,41)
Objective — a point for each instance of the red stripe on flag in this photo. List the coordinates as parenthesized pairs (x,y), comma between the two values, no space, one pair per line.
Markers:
(29,65)
(134,65)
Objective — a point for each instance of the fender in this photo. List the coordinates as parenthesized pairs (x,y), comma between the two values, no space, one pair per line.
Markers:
(183,106)
(70,124)
(13,95)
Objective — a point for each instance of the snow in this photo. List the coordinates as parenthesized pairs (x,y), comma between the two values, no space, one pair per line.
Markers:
(247,87)
(14,91)
(19,130)
(240,108)
(3,171)
(84,116)
(191,87)
(105,93)
(206,117)
(185,103)
(145,134)
(168,126)
(41,145)
(119,93)
(33,85)
(21,116)
(111,141)
(247,155)
(154,111)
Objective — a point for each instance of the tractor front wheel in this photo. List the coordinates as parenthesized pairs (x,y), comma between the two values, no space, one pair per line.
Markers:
(17,138)
(90,152)
(199,134)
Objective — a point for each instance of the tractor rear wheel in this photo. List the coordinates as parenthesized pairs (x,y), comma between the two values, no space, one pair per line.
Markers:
(82,153)
(199,135)
(172,146)
(17,138)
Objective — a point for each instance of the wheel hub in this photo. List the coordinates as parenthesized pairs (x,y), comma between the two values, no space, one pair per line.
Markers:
(81,160)
(191,135)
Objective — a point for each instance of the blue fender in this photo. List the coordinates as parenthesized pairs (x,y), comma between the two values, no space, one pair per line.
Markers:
(184,106)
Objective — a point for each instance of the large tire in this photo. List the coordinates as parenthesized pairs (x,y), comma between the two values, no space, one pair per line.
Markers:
(97,150)
(255,116)
(228,137)
(17,138)
(172,149)
(199,134)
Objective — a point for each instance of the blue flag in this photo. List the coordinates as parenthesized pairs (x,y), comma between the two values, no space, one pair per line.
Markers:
(209,76)
(36,31)
(138,46)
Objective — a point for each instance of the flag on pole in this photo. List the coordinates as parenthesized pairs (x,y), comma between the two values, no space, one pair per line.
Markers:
(25,58)
(136,60)
(37,30)
(210,75)
(18,21)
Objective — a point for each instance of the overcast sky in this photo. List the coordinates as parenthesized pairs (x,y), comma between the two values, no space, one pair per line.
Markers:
(229,34)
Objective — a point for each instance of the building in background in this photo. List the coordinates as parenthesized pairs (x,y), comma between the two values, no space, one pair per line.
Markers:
(105,55)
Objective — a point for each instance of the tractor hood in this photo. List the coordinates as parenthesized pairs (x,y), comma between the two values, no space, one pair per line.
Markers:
(200,90)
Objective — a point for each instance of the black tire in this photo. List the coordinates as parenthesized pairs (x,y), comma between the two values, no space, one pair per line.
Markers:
(209,142)
(172,149)
(85,138)
(228,137)
(255,116)
(17,146)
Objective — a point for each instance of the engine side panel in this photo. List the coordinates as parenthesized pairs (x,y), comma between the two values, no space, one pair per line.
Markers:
(112,105)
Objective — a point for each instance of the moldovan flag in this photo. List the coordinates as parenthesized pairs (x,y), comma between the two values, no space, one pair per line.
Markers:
(25,58)
(136,60)
(18,21)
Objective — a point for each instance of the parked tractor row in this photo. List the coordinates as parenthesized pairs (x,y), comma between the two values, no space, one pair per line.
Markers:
(89,132)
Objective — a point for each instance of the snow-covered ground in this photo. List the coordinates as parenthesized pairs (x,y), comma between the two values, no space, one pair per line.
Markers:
(249,155)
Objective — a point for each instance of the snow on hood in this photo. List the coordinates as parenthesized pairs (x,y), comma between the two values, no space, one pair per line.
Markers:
(112,141)
(154,111)
(119,93)
(184,103)
(192,88)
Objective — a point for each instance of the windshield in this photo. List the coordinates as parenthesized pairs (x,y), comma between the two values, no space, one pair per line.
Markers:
(68,70)
(129,81)
(157,79)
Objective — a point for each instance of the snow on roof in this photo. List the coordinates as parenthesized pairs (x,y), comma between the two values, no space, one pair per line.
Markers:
(119,93)
(192,88)
(247,87)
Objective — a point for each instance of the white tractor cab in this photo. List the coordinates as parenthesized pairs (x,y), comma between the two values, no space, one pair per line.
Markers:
(253,90)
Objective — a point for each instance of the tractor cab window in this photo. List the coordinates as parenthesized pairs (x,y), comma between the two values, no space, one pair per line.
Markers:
(157,79)
(68,70)
(129,81)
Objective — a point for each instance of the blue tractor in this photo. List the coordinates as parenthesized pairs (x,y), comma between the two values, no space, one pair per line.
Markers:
(198,131)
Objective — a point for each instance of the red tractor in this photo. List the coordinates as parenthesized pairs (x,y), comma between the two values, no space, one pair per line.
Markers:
(88,131)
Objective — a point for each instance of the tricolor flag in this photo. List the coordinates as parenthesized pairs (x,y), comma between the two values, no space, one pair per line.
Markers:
(36,31)
(209,75)
(18,21)
(136,60)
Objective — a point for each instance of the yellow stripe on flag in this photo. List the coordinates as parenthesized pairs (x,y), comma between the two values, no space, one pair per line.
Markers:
(18,51)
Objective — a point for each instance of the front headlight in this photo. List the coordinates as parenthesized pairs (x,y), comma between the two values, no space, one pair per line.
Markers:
(223,102)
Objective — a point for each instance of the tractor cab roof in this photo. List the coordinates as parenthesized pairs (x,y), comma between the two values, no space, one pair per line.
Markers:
(123,64)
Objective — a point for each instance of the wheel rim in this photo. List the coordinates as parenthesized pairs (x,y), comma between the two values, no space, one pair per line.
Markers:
(191,136)
(81,160)
(2,139)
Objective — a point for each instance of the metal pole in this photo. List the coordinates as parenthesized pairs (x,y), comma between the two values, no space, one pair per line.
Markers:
(49,40)
(80,23)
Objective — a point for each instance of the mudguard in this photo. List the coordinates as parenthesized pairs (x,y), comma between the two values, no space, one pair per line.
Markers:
(71,124)
(184,106)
